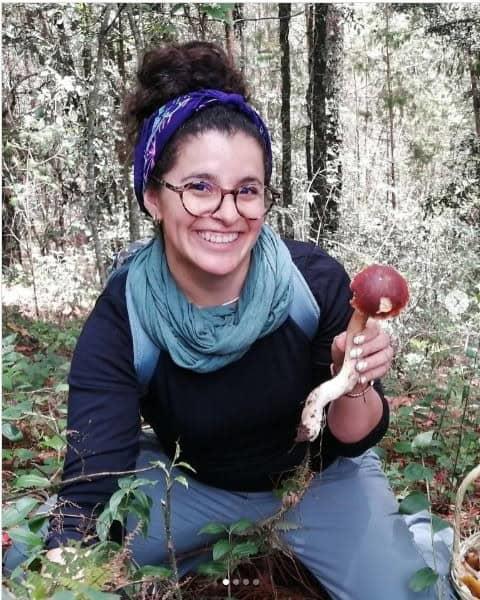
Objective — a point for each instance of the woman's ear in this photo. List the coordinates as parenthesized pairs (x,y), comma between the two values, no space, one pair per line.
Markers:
(152,204)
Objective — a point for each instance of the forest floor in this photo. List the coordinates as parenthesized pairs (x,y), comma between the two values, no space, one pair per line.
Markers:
(431,444)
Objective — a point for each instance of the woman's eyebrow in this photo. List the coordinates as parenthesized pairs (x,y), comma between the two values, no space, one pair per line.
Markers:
(211,177)
(199,176)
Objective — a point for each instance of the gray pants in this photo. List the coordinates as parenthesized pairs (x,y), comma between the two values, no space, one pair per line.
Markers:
(350,534)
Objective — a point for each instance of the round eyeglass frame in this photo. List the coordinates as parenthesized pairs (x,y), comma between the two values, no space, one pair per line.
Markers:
(180,189)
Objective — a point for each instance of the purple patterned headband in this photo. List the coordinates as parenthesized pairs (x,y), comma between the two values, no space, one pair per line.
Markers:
(164,122)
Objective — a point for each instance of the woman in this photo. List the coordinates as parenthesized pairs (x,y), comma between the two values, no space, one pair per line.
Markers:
(213,293)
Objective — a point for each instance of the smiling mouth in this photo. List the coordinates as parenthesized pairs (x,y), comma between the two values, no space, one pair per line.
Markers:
(218,238)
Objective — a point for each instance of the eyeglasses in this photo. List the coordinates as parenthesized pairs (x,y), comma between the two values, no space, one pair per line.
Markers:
(204,198)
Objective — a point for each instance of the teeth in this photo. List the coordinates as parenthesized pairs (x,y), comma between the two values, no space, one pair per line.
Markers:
(218,238)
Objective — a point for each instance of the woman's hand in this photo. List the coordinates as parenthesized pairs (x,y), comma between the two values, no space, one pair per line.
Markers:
(372,348)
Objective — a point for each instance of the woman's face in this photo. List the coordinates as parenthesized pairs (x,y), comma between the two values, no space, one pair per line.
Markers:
(216,246)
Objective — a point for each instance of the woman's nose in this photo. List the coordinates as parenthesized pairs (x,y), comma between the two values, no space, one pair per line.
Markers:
(227,211)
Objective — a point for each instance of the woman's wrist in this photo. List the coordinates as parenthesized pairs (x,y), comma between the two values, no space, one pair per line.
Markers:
(360,388)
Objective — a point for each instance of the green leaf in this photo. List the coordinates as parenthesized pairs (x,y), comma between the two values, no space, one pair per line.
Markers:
(11,432)
(213,528)
(37,522)
(158,464)
(414,502)
(140,509)
(240,526)
(423,440)
(12,515)
(438,524)
(23,454)
(7,382)
(142,502)
(153,571)
(177,452)
(9,340)
(403,447)
(221,548)
(17,410)
(471,352)
(245,549)
(141,482)
(25,536)
(423,579)
(104,521)
(182,479)
(125,482)
(32,480)
(213,569)
(417,472)
(55,442)
(185,465)
(115,501)
(405,411)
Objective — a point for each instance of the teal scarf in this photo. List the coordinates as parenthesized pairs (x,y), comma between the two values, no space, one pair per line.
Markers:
(206,339)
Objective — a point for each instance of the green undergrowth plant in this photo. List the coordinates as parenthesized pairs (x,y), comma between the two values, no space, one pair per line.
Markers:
(35,366)
(239,541)
(433,438)
(101,569)
(36,360)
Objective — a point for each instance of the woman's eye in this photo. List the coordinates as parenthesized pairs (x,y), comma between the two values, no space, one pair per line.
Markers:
(250,190)
(200,186)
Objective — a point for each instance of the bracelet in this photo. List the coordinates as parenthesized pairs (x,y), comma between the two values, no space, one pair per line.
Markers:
(333,372)
(362,393)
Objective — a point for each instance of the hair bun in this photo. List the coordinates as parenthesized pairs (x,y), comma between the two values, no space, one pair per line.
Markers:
(177,69)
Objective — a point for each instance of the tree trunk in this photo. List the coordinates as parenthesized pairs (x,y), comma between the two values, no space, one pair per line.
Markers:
(325,80)
(123,155)
(11,235)
(317,110)
(229,37)
(237,15)
(308,98)
(137,36)
(92,205)
(333,89)
(391,196)
(286,222)
(474,66)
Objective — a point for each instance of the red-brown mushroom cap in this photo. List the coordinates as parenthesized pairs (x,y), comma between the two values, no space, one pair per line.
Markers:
(379,291)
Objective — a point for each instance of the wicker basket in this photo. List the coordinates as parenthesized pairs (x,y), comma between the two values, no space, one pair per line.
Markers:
(459,566)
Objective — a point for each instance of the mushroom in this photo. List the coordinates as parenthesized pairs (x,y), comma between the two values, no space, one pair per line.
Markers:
(379,291)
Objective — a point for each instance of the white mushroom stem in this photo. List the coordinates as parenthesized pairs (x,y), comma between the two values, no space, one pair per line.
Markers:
(344,382)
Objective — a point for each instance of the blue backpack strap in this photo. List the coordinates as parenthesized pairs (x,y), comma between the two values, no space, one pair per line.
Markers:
(145,352)
(304,309)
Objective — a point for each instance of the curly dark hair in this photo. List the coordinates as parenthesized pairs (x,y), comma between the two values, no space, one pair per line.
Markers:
(174,70)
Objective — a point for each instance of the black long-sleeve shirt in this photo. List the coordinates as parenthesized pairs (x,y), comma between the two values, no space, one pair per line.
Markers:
(236,426)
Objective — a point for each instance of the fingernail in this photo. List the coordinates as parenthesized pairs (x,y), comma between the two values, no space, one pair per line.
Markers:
(356,352)
(361,366)
(359,339)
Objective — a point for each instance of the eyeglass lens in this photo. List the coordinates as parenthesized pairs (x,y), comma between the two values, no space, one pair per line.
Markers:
(205,198)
